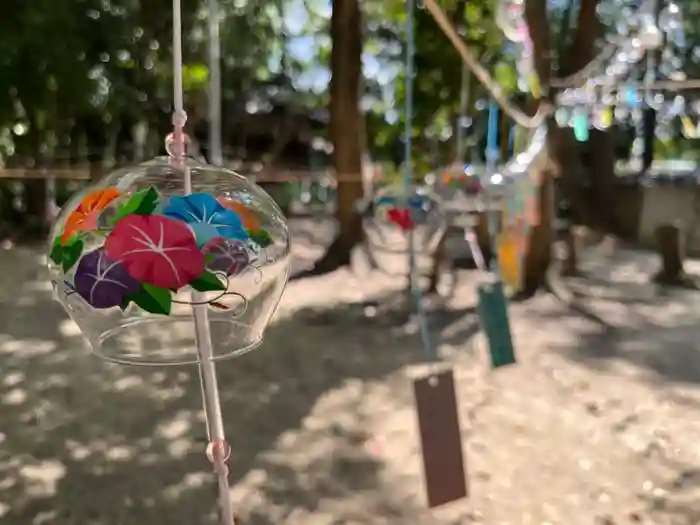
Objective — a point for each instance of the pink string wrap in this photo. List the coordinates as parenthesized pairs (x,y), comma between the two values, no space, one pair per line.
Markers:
(176,142)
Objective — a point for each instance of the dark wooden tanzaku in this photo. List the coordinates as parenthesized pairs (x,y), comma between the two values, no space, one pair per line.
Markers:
(441,440)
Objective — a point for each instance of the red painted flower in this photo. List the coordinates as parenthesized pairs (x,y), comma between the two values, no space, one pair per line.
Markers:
(156,250)
(401,217)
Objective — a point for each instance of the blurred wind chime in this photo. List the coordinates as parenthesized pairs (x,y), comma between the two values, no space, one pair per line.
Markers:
(399,219)
(174,261)
(641,68)
(435,394)
(502,196)
(492,306)
(499,199)
(506,197)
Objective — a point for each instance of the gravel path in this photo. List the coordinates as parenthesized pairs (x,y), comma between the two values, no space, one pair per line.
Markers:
(597,424)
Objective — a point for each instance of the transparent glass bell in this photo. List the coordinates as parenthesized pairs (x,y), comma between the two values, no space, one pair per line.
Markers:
(133,256)
(396,212)
(460,184)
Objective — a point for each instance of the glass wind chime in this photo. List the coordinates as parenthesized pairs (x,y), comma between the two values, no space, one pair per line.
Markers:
(641,68)
(507,190)
(173,262)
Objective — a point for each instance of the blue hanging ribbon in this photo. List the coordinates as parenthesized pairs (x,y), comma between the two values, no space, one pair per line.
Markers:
(492,152)
(511,141)
(428,349)
(492,303)
(492,157)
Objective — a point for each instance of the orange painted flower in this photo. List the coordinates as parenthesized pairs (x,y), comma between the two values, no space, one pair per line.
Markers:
(248,218)
(84,218)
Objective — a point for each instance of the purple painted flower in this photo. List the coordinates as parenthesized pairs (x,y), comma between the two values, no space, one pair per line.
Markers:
(103,283)
(226,255)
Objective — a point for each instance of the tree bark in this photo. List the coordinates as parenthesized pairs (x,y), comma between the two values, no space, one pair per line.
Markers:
(346,131)
(594,205)
(574,240)
(671,247)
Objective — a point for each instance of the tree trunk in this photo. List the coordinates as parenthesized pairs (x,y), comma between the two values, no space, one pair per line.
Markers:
(574,240)
(538,255)
(562,150)
(346,130)
(671,247)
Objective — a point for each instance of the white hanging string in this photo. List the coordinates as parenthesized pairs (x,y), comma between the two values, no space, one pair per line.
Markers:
(218,449)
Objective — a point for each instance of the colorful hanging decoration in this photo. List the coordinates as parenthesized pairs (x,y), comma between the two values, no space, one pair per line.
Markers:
(463,179)
(153,247)
(173,262)
(510,18)
(510,252)
(418,209)
(619,77)
(135,247)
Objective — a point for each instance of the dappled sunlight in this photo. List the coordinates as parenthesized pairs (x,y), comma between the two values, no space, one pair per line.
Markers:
(321,420)
(135,438)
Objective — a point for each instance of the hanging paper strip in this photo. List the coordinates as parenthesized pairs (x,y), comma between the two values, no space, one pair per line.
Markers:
(532,207)
(493,313)
(509,257)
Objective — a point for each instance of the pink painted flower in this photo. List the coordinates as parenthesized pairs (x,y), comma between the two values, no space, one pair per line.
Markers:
(156,250)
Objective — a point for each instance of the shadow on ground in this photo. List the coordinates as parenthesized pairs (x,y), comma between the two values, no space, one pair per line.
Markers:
(85,442)
(632,319)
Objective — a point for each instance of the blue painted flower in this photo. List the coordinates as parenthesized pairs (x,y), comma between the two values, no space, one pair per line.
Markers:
(207,218)
(418,202)
(385,200)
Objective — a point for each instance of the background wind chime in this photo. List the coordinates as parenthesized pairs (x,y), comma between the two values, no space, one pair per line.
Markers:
(641,69)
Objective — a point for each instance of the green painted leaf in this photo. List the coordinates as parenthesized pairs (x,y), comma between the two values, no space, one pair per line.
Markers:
(208,282)
(57,251)
(260,237)
(70,253)
(152,299)
(140,203)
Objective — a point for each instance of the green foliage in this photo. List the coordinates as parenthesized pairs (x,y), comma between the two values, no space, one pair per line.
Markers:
(62,61)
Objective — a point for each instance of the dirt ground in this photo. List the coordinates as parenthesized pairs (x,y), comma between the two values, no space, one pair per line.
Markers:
(597,424)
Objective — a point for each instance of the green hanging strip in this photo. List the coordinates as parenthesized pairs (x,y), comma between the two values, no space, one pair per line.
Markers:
(580,123)
(492,305)
(493,311)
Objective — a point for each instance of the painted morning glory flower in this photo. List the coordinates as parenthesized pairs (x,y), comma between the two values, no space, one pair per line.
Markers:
(386,200)
(207,217)
(103,283)
(154,249)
